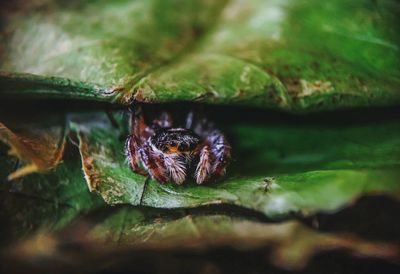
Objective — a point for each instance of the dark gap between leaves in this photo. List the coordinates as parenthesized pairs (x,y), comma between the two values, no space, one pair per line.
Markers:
(219,113)
(371,217)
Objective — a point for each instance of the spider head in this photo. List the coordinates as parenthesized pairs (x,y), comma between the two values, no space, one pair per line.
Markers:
(176,141)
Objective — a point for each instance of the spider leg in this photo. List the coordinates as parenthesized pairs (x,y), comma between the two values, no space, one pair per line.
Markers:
(189,120)
(132,153)
(140,131)
(221,151)
(154,163)
(162,167)
(203,128)
(203,169)
(163,121)
(176,168)
(214,157)
(139,127)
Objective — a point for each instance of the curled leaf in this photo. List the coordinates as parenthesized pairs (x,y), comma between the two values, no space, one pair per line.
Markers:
(98,161)
(39,146)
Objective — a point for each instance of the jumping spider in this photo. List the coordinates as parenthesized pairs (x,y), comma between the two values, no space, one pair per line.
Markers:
(169,153)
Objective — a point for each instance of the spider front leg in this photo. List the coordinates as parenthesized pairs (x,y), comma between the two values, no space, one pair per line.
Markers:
(204,166)
(153,163)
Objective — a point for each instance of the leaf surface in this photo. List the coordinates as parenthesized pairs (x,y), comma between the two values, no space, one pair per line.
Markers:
(292,169)
(291,55)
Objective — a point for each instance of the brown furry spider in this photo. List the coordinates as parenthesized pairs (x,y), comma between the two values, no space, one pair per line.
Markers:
(168,153)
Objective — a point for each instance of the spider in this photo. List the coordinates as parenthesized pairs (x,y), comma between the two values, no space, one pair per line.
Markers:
(169,153)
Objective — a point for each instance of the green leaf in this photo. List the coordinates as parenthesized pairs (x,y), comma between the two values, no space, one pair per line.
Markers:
(23,85)
(297,56)
(293,169)
(42,201)
(117,44)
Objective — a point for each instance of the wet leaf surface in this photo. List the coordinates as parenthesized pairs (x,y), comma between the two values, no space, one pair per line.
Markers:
(291,55)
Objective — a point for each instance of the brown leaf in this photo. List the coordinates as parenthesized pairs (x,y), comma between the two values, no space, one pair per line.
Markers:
(39,146)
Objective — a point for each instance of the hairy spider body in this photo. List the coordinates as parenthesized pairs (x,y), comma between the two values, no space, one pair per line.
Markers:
(168,153)
(175,140)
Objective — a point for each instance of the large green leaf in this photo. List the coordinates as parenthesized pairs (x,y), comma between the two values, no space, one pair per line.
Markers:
(293,55)
(278,169)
